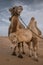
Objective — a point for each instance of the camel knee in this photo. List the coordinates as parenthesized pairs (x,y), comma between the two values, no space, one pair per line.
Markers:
(34,48)
(18,45)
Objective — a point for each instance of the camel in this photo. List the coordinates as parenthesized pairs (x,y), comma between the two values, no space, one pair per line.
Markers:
(19,35)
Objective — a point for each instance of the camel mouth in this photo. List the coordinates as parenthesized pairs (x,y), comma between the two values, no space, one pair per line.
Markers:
(20,9)
(19,12)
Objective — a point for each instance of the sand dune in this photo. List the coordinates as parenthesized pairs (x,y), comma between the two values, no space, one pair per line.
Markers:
(7,59)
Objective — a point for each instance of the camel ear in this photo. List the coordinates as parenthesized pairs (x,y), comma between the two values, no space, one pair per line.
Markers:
(10,9)
(13,7)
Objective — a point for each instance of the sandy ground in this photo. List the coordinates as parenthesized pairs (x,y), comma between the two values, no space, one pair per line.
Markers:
(7,59)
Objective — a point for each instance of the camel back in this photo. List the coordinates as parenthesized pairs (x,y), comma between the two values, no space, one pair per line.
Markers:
(33,26)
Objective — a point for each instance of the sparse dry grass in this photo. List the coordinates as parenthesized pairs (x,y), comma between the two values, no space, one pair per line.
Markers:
(7,59)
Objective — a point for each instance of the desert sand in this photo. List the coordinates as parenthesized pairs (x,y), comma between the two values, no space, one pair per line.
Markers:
(7,59)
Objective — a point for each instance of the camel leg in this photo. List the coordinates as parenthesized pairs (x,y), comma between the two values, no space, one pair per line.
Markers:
(30,49)
(14,51)
(35,54)
(23,48)
(20,54)
(35,48)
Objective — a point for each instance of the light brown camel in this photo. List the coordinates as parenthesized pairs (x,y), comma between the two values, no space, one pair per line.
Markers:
(33,26)
(35,39)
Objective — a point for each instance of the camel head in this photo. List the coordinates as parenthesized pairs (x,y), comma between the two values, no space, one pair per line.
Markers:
(16,10)
(32,18)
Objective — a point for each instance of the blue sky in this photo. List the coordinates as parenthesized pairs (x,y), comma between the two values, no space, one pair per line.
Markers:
(31,8)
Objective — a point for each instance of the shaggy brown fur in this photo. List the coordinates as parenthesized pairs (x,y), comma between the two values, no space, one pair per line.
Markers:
(15,23)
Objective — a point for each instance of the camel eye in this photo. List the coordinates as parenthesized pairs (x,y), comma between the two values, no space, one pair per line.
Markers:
(13,7)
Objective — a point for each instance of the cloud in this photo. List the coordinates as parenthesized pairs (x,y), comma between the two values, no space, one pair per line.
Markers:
(3,30)
(30,8)
(33,4)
